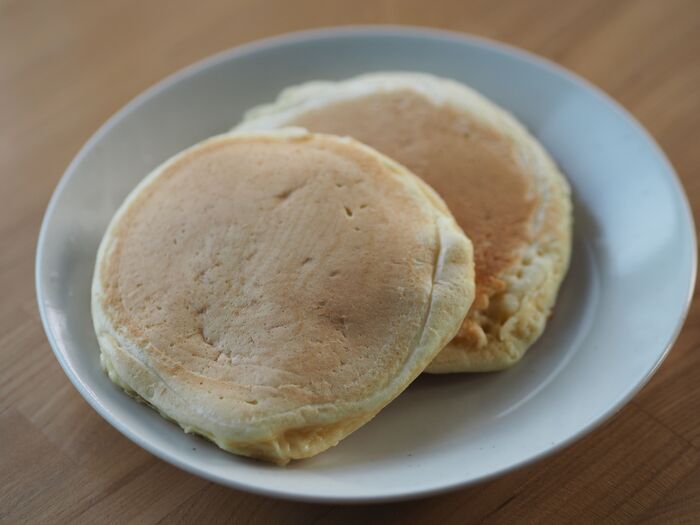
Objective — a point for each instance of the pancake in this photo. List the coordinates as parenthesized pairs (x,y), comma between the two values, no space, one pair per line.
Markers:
(500,184)
(273,291)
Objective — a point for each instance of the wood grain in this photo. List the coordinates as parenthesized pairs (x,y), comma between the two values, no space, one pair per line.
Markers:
(67,65)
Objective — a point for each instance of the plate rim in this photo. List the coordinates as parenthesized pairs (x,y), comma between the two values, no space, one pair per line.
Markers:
(331,32)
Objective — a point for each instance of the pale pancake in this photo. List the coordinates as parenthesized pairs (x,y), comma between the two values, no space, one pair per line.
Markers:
(273,291)
(500,184)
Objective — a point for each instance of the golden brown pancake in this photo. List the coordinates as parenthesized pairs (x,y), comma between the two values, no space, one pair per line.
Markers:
(273,291)
(500,184)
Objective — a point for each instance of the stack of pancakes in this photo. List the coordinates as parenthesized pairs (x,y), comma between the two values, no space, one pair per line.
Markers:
(273,288)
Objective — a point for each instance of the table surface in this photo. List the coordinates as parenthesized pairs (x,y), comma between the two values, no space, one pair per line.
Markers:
(66,66)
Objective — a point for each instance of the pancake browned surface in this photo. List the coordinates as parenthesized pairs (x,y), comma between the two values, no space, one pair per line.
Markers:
(500,184)
(274,291)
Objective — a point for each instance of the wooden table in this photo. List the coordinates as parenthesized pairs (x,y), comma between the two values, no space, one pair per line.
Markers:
(65,66)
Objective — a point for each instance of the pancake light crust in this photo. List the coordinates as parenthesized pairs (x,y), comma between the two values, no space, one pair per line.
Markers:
(500,184)
(273,291)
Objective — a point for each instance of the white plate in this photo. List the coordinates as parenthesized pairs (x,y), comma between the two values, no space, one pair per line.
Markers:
(620,308)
